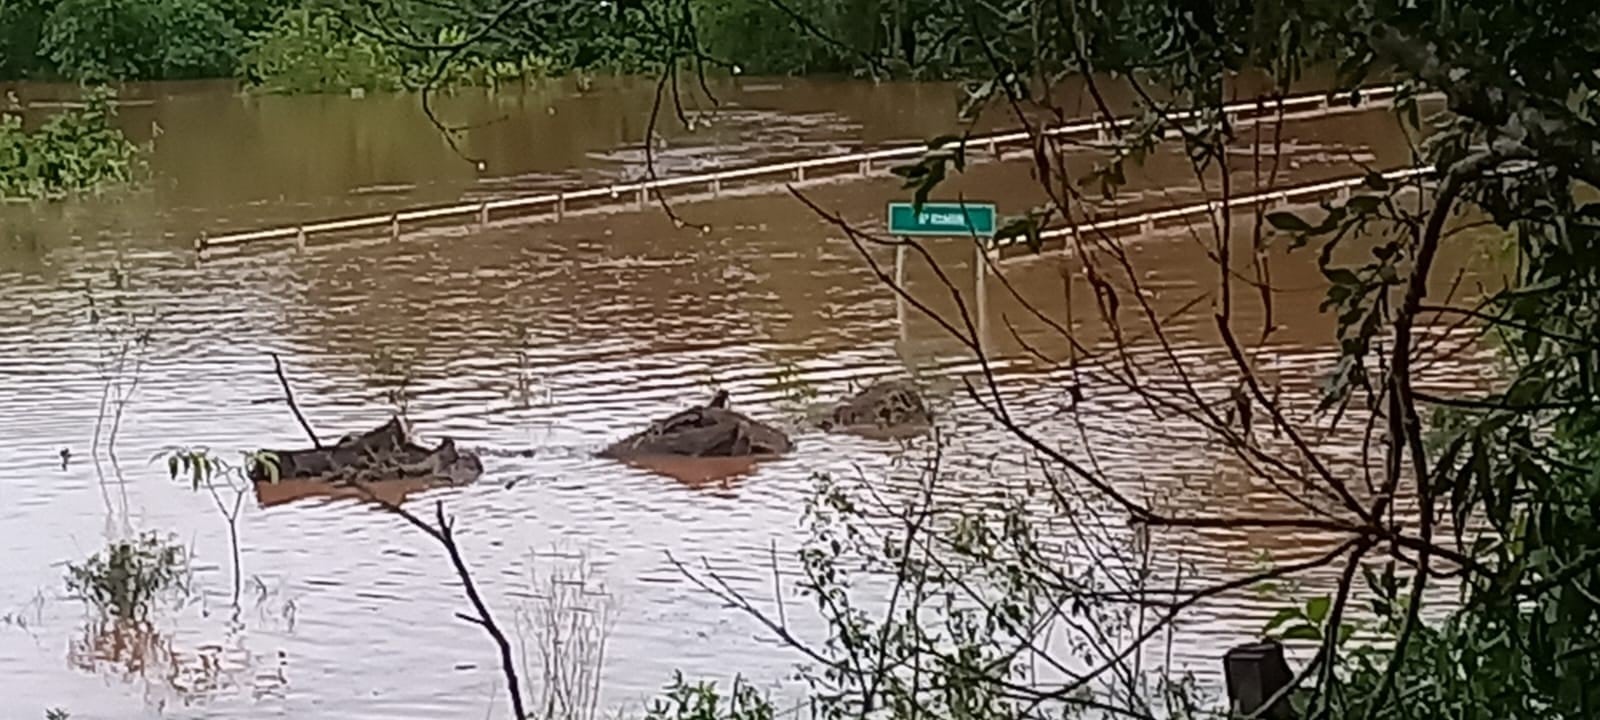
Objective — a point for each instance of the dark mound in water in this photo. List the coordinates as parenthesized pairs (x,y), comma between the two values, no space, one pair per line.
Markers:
(705,432)
(888,407)
(385,454)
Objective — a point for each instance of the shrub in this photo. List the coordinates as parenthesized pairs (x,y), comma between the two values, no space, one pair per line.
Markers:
(120,39)
(78,151)
(127,577)
(310,51)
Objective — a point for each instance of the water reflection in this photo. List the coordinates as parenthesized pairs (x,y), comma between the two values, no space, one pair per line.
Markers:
(139,653)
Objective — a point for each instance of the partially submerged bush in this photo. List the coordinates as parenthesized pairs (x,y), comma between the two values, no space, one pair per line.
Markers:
(127,578)
(77,151)
(311,51)
(702,701)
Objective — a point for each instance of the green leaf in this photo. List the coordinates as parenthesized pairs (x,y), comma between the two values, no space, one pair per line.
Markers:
(1341,276)
(1302,632)
(1288,221)
(1317,609)
(1365,204)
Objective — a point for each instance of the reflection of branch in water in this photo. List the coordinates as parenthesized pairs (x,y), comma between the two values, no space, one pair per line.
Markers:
(132,651)
(569,620)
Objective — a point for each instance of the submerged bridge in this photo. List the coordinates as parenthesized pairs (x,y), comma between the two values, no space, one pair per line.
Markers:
(636,195)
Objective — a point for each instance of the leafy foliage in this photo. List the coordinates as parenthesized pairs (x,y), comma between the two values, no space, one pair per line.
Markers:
(127,578)
(312,50)
(77,151)
(702,701)
(116,39)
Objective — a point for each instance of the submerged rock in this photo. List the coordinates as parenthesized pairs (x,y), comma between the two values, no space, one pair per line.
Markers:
(386,454)
(889,407)
(712,430)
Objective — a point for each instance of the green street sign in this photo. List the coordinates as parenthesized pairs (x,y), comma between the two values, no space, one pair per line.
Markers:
(944,219)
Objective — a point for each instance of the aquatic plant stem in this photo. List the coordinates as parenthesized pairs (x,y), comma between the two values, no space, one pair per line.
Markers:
(288,396)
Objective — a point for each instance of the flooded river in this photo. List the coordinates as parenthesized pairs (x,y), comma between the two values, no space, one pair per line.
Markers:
(535,344)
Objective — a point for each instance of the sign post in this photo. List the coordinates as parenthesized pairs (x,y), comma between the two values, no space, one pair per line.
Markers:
(978,221)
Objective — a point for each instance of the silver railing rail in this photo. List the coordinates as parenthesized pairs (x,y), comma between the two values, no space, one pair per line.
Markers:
(1305,106)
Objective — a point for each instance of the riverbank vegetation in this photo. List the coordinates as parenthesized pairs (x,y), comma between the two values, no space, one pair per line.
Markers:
(339,45)
(77,151)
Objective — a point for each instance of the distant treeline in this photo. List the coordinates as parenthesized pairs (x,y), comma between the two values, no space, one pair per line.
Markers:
(336,45)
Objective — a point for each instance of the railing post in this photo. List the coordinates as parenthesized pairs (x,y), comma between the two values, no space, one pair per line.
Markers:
(200,243)
(1147,227)
(900,288)
(300,237)
(982,257)
(799,174)
(716,187)
(644,195)
(866,166)
(1343,194)
(394,227)
(483,216)
(1255,673)
(561,206)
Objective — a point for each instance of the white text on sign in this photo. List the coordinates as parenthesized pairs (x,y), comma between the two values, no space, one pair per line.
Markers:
(938,218)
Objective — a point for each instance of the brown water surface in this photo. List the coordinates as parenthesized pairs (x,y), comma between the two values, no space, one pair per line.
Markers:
(536,345)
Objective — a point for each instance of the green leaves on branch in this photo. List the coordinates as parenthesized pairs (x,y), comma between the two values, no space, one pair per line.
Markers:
(78,151)
(126,579)
(309,50)
(703,701)
(930,170)
(105,40)
(202,469)
(1311,621)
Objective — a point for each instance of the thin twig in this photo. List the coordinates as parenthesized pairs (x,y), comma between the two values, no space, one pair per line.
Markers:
(288,396)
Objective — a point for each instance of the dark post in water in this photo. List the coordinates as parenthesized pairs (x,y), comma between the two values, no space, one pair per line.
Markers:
(1255,673)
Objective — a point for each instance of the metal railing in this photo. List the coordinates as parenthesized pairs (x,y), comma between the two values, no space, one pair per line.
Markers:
(556,204)
(1146,223)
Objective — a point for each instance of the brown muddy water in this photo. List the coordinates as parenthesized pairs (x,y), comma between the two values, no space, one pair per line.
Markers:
(535,345)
